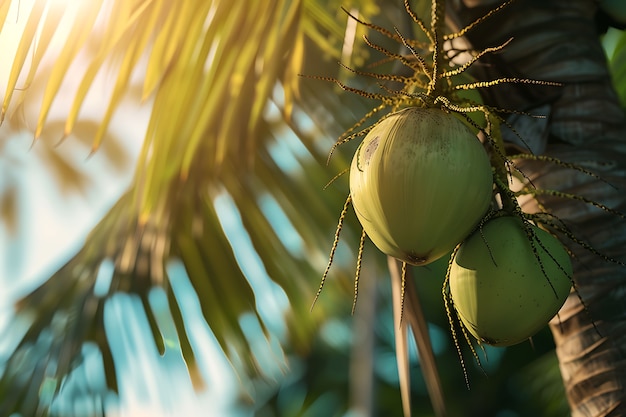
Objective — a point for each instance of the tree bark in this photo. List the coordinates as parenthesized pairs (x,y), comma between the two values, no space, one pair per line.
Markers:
(556,40)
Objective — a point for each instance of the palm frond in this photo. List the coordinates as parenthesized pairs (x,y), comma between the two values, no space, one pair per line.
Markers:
(69,308)
(209,70)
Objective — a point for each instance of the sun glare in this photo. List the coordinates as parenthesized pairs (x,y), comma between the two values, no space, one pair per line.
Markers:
(13,29)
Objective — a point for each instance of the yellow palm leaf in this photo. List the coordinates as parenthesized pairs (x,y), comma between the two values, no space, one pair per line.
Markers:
(22,50)
(212,68)
(85,19)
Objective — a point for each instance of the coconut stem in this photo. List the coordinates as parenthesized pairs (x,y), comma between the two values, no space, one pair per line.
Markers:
(438,11)
(498,162)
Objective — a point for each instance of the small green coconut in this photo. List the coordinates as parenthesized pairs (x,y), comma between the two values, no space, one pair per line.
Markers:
(420,182)
(503,291)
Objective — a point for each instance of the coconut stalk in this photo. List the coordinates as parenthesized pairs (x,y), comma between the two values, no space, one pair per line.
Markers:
(408,316)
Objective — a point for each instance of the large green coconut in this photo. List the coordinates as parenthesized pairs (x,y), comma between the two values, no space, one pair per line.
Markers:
(503,291)
(420,182)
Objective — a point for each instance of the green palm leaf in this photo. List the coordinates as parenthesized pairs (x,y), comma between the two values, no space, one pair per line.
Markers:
(212,69)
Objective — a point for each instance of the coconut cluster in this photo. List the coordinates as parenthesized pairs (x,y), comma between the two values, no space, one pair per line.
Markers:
(421,182)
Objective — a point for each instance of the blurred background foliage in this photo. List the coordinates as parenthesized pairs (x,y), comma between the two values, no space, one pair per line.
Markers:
(185,132)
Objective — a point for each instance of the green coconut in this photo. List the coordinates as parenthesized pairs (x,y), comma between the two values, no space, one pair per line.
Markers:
(503,291)
(420,182)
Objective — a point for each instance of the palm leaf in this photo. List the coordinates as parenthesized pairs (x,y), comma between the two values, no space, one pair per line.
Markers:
(212,68)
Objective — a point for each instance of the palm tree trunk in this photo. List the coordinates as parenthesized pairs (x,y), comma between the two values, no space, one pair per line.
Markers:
(585,125)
